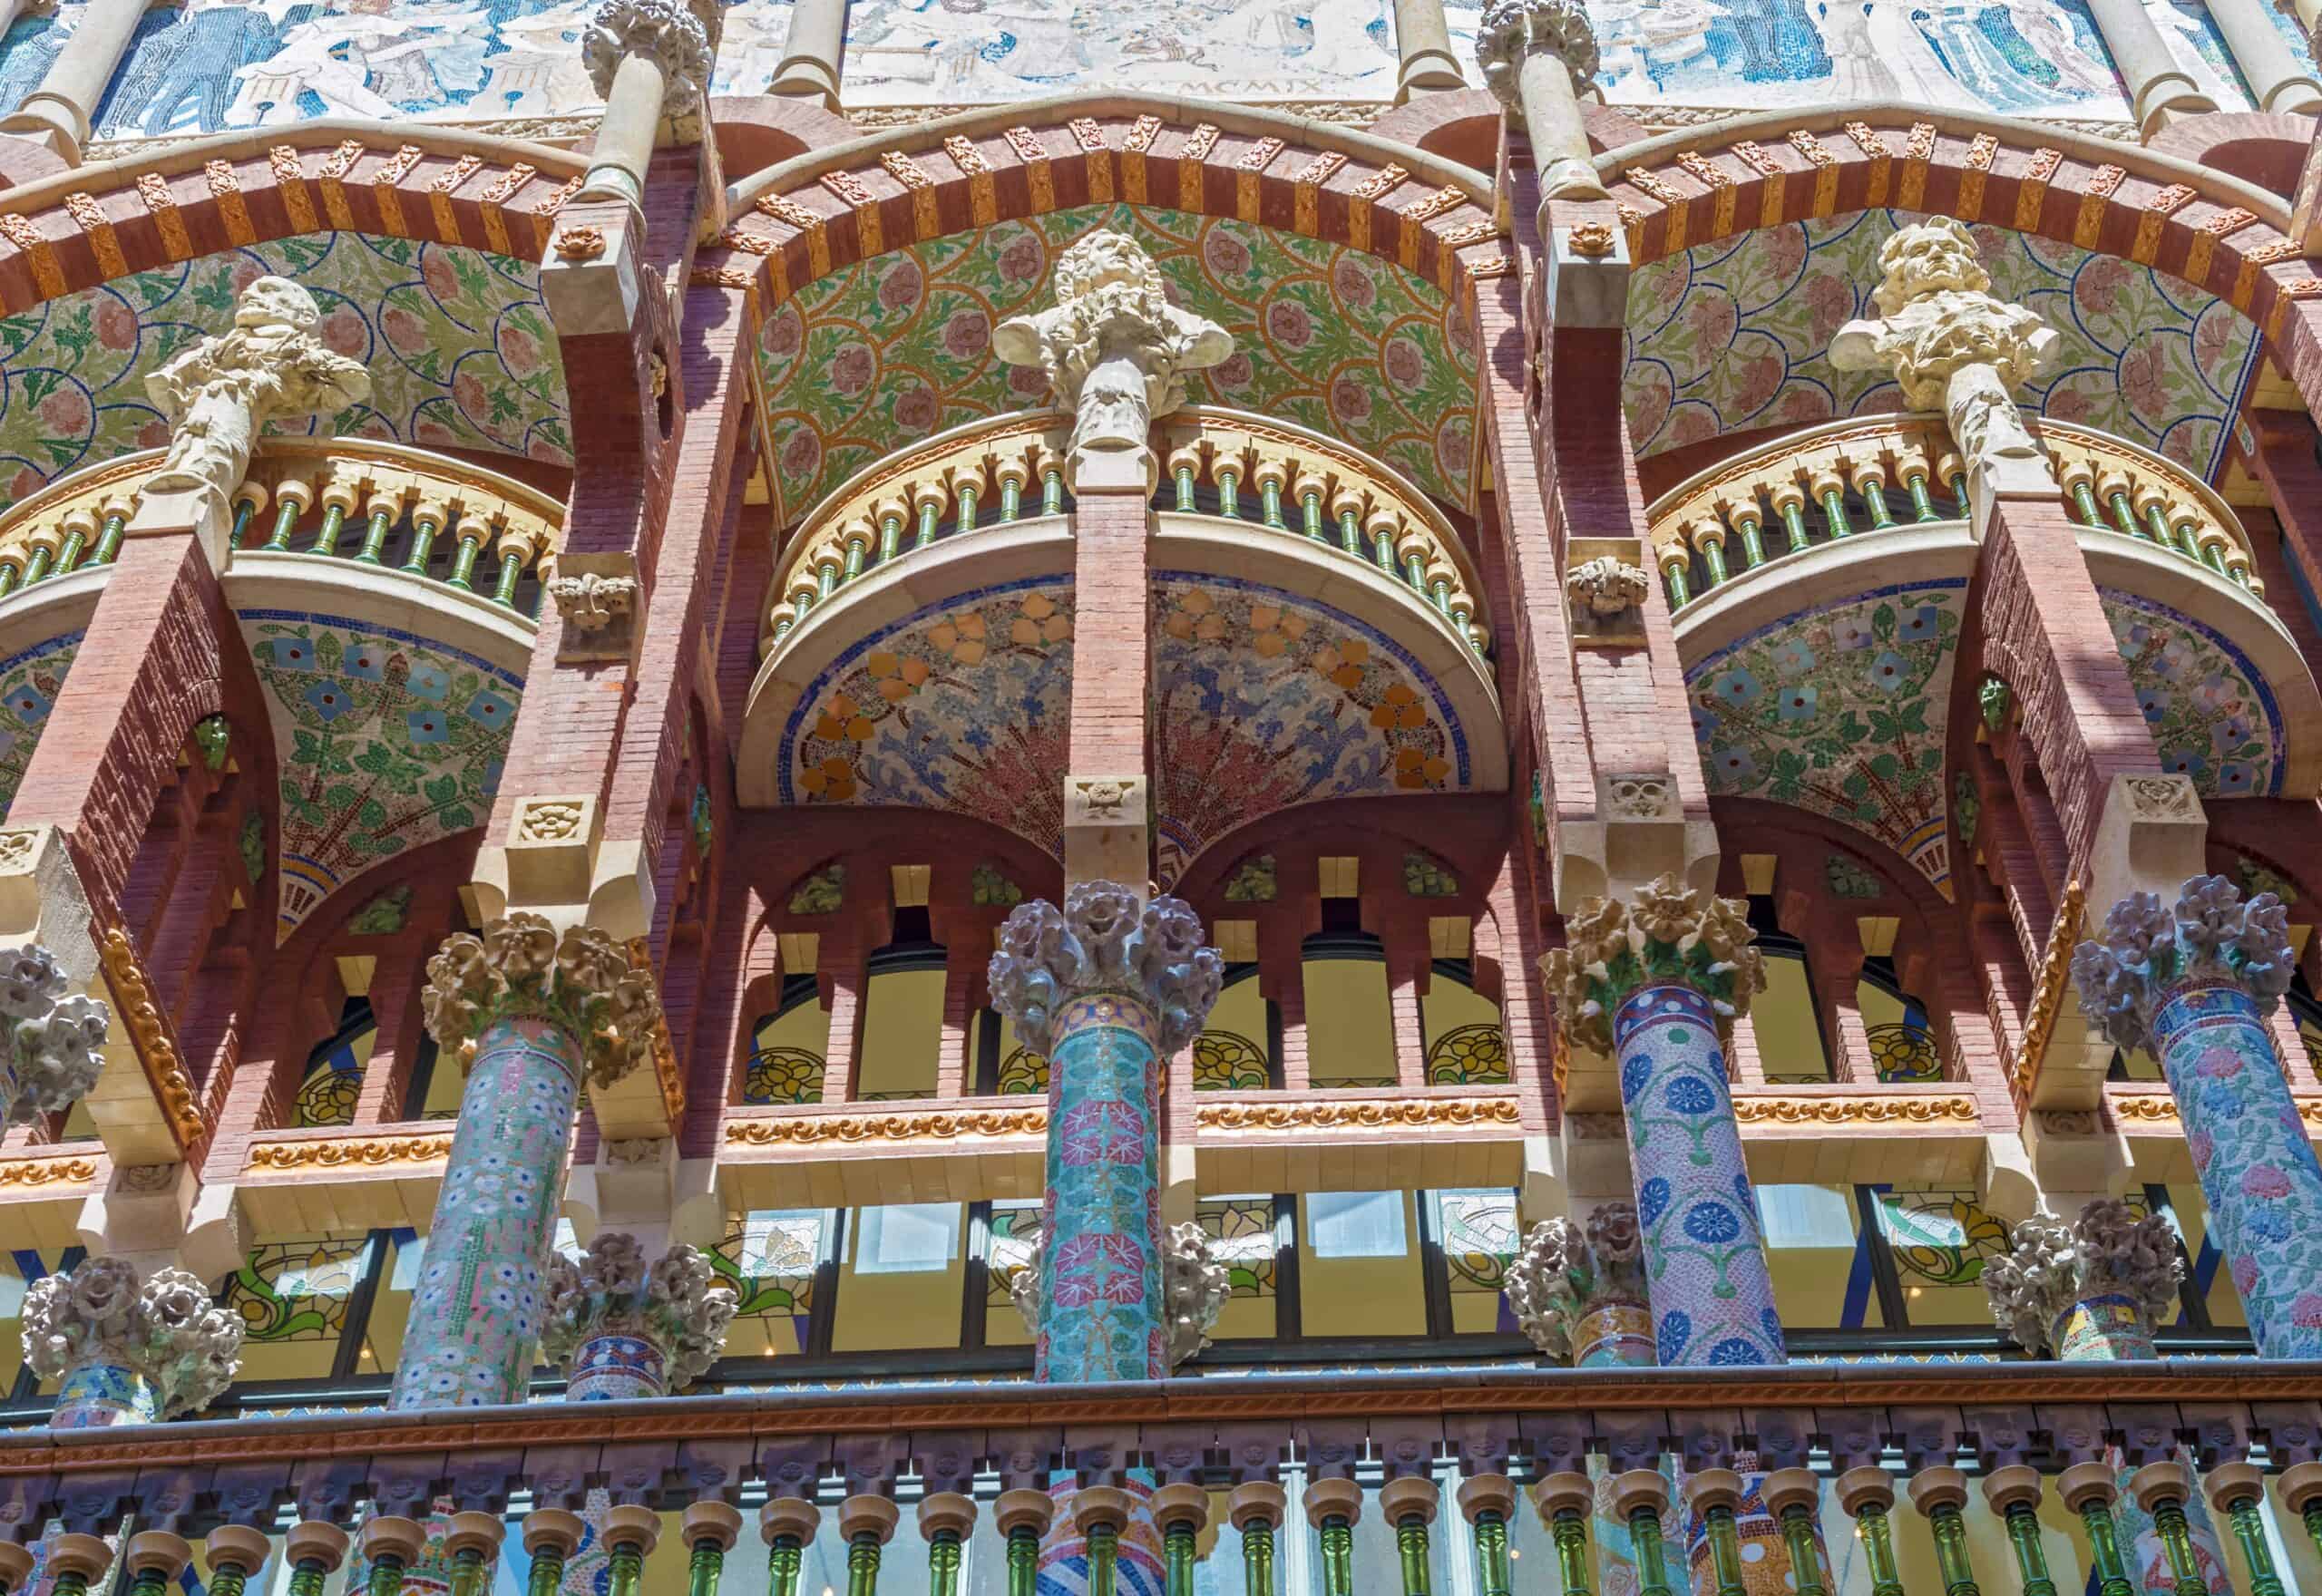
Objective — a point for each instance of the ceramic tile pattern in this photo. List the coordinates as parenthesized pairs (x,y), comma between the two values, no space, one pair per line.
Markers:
(29,683)
(2211,714)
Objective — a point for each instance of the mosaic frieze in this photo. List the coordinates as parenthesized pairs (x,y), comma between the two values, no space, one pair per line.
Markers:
(1735,334)
(29,683)
(2210,714)
(900,346)
(1841,711)
(386,741)
(457,343)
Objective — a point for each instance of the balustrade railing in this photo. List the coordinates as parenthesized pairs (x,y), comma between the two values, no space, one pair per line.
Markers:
(367,502)
(1869,475)
(1217,462)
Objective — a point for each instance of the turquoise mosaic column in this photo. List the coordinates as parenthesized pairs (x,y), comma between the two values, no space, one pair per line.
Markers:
(1659,986)
(542,1013)
(2090,1292)
(2193,986)
(1106,991)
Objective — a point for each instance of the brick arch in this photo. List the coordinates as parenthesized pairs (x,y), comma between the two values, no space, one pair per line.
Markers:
(829,208)
(78,229)
(2208,229)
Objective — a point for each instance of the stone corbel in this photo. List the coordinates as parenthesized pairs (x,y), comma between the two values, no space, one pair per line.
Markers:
(1607,585)
(1587,279)
(158,1215)
(592,278)
(597,598)
(1106,834)
(1639,834)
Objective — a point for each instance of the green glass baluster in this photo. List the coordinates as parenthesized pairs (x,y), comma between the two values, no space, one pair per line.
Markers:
(11,573)
(467,1572)
(2187,538)
(1834,511)
(1012,499)
(244,511)
(2177,1541)
(1052,491)
(1753,537)
(226,1578)
(2312,1515)
(77,539)
(1644,1545)
(1713,558)
(967,493)
(2213,556)
(2104,1550)
(422,543)
(1178,1543)
(1229,492)
(857,550)
(1338,1556)
(1805,1559)
(826,572)
(2030,1557)
(1492,1575)
(1725,1551)
(1309,505)
(327,535)
(2156,517)
(1873,489)
(1950,1529)
(930,510)
(70,1582)
(1411,1547)
(1383,549)
(1793,523)
(708,1564)
(1023,1561)
(375,538)
(783,1557)
(1459,618)
(1570,1533)
(2083,500)
(862,1566)
(2249,1529)
(42,562)
(386,1576)
(286,522)
(1922,501)
(1270,501)
(2124,515)
(1257,1559)
(109,541)
(1680,589)
(1415,567)
(1958,485)
(306,1577)
(890,543)
(1185,475)
(626,1568)
(511,571)
(462,575)
(1350,533)
(1439,590)
(1879,1550)
(1104,1542)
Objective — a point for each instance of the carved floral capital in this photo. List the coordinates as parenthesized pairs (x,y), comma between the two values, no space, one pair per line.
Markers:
(1671,934)
(582,982)
(162,1327)
(1512,30)
(2054,1265)
(676,37)
(1563,1269)
(51,1046)
(677,1302)
(1102,941)
(1195,1285)
(2211,936)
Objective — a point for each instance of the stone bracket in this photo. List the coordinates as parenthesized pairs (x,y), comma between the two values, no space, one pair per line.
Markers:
(593,278)
(597,597)
(1639,833)
(1589,628)
(1586,283)
(1107,836)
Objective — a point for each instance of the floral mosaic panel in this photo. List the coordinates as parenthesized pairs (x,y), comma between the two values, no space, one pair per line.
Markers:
(1736,335)
(961,707)
(457,341)
(2212,715)
(29,683)
(900,346)
(386,741)
(1841,710)
(1264,700)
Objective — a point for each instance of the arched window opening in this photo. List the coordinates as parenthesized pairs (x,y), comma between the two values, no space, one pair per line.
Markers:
(1350,1013)
(1784,1019)
(1902,1041)
(785,1063)
(1464,1044)
(902,1021)
(332,1083)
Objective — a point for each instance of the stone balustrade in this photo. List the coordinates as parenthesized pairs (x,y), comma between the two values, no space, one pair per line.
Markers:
(353,499)
(1872,474)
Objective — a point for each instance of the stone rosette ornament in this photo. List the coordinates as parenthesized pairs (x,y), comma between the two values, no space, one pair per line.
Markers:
(680,40)
(1103,941)
(676,1304)
(1952,346)
(592,601)
(2212,936)
(1609,593)
(52,1046)
(1671,935)
(521,968)
(2109,1253)
(1195,1286)
(1115,350)
(1564,1273)
(89,1326)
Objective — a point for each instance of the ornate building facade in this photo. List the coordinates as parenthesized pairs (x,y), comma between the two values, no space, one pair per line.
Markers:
(1318,796)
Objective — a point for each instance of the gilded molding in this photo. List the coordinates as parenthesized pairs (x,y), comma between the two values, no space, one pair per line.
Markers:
(666,1073)
(46,1171)
(165,1072)
(349,1153)
(1881,1109)
(900,1129)
(2048,993)
(1405,1114)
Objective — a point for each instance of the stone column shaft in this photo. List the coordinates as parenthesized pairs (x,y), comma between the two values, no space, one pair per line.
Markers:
(2193,985)
(625,136)
(1423,40)
(814,54)
(2279,80)
(56,114)
(2160,91)
(1536,56)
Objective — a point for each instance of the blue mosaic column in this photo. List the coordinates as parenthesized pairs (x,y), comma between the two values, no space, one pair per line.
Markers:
(1106,991)
(1657,984)
(2194,984)
(542,1013)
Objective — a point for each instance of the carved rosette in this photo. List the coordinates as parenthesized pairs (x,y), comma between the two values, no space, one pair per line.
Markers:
(676,1305)
(678,39)
(2106,1278)
(102,1331)
(2212,938)
(51,1046)
(1671,935)
(1608,591)
(1195,1285)
(582,982)
(1513,30)
(1102,941)
(1115,350)
(1568,1281)
(592,601)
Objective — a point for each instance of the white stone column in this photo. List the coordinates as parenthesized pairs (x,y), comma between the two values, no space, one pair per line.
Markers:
(1538,56)
(56,115)
(2160,91)
(1423,39)
(650,60)
(2278,79)
(815,52)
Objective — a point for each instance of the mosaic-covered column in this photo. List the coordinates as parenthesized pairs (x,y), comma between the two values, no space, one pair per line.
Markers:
(1658,985)
(2091,1292)
(622,1328)
(2194,984)
(126,1349)
(532,1015)
(1579,1291)
(1108,990)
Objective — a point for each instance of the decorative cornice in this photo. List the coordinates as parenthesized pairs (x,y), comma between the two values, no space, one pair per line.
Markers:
(2048,994)
(1401,1113)
(46,1171)
(349,1153)
(901,1129)
(1870,1109)
(165,1072)
(2158,1112)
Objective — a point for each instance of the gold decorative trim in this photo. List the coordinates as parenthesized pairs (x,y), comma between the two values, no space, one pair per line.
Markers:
(1403,1113)
(46,1171)
(2048,994)
(1951,1108)
(349,1153)
(165,1072)
(665,1054)
(2159,1110)
(899,1128)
